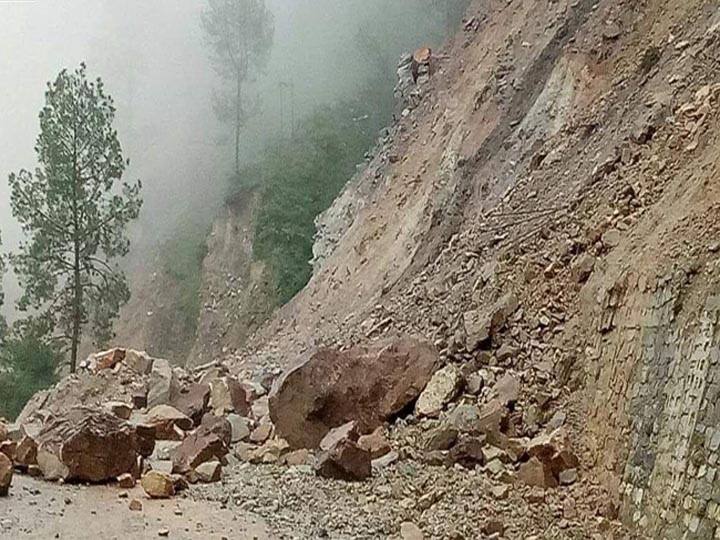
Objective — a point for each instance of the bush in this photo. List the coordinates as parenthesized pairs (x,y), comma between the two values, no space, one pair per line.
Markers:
(27,365)
(301,176)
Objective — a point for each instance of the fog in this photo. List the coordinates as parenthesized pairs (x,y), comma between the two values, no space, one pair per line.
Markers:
(154,62)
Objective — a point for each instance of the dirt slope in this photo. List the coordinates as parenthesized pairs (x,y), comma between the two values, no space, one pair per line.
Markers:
(565,151)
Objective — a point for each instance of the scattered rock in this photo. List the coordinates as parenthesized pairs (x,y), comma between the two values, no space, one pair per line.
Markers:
(169,423)
(163,386)
(347,431)
(297,457)
(126,481)
(345,461)
(410,531)
(536,473)
(440,438)
(443,387)
(227,395)
(158,485)
(468,451)
(207,443)
(366,384)
(139,362)
(375,443)
(209,472)
(135,505)
(240,427)
(385,460)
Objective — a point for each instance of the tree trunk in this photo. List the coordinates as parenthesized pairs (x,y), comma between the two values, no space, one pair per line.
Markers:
(77,312)
(238,107)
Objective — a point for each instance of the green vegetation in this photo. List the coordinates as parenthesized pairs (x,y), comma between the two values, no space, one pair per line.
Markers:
(300,178)
(182,257)
(74,209)
(27,365)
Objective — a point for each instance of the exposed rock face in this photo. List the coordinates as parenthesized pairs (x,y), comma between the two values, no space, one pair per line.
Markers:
(87,445)
(365,384)
(6,474)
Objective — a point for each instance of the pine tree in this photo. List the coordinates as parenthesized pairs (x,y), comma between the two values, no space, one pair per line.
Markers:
(240,35)
(74,210)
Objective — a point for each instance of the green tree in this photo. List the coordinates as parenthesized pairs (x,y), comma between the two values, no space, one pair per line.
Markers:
(240,35)
(74,210)
(27,365)
(3,324)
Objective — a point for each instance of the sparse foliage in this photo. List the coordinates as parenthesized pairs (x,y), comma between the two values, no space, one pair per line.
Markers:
(74,209)
(240,35)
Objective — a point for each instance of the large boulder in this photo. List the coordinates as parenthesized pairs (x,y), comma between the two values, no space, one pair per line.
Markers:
(158,485)
(87,445)
(6,474)
(369,385)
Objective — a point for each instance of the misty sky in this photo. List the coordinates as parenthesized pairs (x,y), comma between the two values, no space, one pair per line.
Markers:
(153,60)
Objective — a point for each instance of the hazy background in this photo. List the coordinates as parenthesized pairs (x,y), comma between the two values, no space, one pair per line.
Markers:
(154,62)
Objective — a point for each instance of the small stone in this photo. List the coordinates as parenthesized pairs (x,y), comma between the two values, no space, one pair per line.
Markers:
(568,476)
(164,532)
(410,531)
(119,409)
(298,457)
(240,427)
(209,472)
(126,481)
(500,492)
(135,505)
(6,475)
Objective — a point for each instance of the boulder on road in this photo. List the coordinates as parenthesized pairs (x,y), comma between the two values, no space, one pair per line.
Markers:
(88,445)
(368,384)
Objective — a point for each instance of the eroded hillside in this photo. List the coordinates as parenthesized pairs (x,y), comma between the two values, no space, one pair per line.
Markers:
(565,152)
(518,292)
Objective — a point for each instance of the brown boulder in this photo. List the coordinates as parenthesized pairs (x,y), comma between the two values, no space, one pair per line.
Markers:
(367,384)
(88,445)
(193,401)
(4,431)
(209,472)
(158,485)
(207,443)
(345,461)
(6,474)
